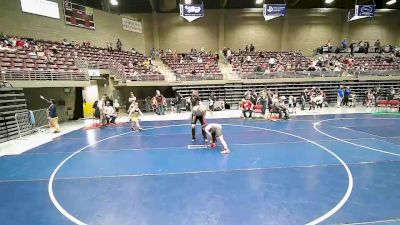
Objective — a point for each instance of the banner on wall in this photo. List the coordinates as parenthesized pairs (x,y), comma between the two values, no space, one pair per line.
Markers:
(191,12)
(362,11)
(272,11)
(134,25)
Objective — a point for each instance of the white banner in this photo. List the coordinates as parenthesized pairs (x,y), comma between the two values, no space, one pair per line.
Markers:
(132,25)
(94,72)
(41,7)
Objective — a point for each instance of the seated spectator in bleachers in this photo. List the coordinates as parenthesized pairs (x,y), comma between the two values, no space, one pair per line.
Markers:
(109,113)
(247,108)
(248,59)
(7,48)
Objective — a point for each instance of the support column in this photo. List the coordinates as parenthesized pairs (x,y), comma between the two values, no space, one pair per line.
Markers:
(284,34)
(156,39)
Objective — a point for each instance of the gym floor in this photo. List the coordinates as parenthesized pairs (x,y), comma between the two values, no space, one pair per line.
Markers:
(327,169)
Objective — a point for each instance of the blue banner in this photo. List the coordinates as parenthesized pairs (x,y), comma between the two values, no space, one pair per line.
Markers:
(362,11)
(272,11)
(191,11)
(365,10)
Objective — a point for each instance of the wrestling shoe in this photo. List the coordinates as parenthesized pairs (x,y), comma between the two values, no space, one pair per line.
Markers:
(225,151)
(213,145)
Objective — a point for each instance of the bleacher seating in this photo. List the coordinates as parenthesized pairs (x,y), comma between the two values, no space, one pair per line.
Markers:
(20,60)
(206,70)
(284,62)
(12,101)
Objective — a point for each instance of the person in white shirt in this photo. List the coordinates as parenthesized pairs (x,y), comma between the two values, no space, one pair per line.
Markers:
(214,132)
(248,58)
(101,104)
(109,113)
(116,106)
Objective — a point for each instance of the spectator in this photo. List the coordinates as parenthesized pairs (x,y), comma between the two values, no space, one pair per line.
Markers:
(119,45)
(53,117)
(377,46)
(344,45)
(366,47)
(161,103)
(131,99)
(212,100)
(109,113)
(178,102)
(340,96)
(109,47)
(347,93)
(248,59)
(247,108)
(195,98)
(246,48)
(304,99)
(252,48)
(263,100)
(225,54)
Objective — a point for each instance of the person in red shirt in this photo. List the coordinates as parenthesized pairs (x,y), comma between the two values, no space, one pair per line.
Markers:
(161,102)
(247,107)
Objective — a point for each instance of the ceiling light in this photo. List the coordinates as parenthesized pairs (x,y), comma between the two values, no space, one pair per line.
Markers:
(114,2)
(329,1)
(259,1)
(391,2)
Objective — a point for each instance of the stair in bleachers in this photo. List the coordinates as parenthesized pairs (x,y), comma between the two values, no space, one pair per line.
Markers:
(12,101)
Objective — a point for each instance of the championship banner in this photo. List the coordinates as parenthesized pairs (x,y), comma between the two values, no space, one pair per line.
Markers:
(191,12)
(132,25)
(272,11)
(362,11)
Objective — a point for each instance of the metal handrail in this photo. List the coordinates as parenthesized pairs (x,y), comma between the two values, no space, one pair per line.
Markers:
(49,75)
(308,74)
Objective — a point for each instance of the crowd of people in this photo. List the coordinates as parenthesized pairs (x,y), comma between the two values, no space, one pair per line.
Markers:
(357,47)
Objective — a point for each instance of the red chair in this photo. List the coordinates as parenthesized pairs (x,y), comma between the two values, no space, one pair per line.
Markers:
(258,109)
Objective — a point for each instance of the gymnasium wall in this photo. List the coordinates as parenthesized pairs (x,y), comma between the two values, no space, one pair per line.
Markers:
(300,29)
(108,27)
(34,101)
(175,33)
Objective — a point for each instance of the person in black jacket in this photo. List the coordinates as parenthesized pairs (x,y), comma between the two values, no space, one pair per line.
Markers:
(178,102)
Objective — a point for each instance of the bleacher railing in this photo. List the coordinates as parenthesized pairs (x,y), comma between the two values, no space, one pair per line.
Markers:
(117,69)
(48,75)
(197,77)
(309,74)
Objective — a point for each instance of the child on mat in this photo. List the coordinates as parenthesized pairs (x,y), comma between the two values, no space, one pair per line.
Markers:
(134,113)
(198,113)
(214,131)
